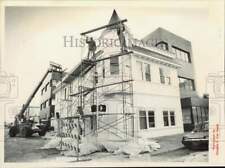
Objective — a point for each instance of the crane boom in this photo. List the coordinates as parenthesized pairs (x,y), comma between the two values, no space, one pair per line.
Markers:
(22,111)
(53,68)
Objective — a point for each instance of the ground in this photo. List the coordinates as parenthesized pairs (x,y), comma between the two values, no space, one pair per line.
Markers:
(20,149)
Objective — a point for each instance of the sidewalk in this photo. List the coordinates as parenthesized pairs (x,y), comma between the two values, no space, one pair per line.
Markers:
(168,143)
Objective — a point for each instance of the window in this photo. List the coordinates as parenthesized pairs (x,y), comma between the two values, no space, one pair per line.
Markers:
(65,93)
(206,113)
(147,72)
(166,118)
(151,119)
(164,76)
(203,114)
(114,65)
(139,70)
(186,112)
(44,105)
(92,122)
(103,69)
(200,114)
(195,115)
(142,118)
(172,118)
(162,45)
(186,84)
(169,118)
(181,54)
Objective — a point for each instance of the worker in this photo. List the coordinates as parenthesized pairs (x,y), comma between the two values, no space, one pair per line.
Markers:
(91,47)
(120,33)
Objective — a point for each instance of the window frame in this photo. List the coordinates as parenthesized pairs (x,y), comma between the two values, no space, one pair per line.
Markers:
(190,84)
(145,72)
(141,69)
(146,111)
(65,93)
(169,117)
(113,65)
(148,116)
(174,117)
(141,117)
(162,43)
(182,54)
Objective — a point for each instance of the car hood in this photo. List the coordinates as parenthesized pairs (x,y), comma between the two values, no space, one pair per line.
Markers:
(195,135)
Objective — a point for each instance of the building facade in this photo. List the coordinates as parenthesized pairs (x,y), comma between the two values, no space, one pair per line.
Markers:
(195,108)
(47,109)
(139,87)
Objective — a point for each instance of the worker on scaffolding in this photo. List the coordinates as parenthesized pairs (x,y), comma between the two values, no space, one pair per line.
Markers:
(120,33)
(91,47)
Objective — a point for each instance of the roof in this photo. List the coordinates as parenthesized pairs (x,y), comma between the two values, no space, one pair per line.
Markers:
(114,18)
(163,30)
(83,67)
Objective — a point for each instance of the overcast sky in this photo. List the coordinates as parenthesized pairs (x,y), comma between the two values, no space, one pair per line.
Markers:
(34,35)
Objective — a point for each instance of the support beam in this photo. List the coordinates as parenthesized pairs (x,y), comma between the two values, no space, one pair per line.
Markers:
(102,27)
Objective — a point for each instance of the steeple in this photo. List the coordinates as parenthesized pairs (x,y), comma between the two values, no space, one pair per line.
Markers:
(114,18)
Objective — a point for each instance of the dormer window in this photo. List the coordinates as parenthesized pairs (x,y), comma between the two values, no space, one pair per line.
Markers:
(162,45)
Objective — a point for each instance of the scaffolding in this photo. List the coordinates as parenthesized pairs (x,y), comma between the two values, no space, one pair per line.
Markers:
(88,96)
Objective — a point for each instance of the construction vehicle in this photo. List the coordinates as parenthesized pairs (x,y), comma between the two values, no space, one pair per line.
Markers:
(24,125)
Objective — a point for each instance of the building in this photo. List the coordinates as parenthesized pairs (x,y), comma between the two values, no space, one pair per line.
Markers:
(47,108)
(194,108)
(135,93)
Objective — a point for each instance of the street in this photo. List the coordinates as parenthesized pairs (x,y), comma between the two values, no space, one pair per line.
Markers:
(20,149)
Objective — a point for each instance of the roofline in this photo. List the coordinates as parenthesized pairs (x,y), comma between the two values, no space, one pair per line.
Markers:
(176,65)
(167,31)
(158,51)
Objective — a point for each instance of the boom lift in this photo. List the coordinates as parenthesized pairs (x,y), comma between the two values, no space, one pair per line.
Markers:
(23,126)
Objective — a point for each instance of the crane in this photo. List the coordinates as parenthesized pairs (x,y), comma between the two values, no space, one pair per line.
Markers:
(25,126)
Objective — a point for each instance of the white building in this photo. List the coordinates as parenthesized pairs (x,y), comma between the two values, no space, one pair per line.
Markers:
(140,91)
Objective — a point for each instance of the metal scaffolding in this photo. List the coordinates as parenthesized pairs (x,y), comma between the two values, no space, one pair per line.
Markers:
(92,92)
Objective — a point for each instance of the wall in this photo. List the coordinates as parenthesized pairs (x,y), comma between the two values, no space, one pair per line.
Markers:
(158,97)
(187,69)
(46,95)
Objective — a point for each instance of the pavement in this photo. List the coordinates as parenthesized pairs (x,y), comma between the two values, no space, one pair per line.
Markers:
(19,149)
(168,143)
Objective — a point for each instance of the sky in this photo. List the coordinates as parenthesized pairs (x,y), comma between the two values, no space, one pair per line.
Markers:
(34,36)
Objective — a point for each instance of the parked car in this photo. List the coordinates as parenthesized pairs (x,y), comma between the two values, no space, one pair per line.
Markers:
(198,138)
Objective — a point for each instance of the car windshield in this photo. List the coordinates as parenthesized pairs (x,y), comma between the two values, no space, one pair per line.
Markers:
(201,127)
